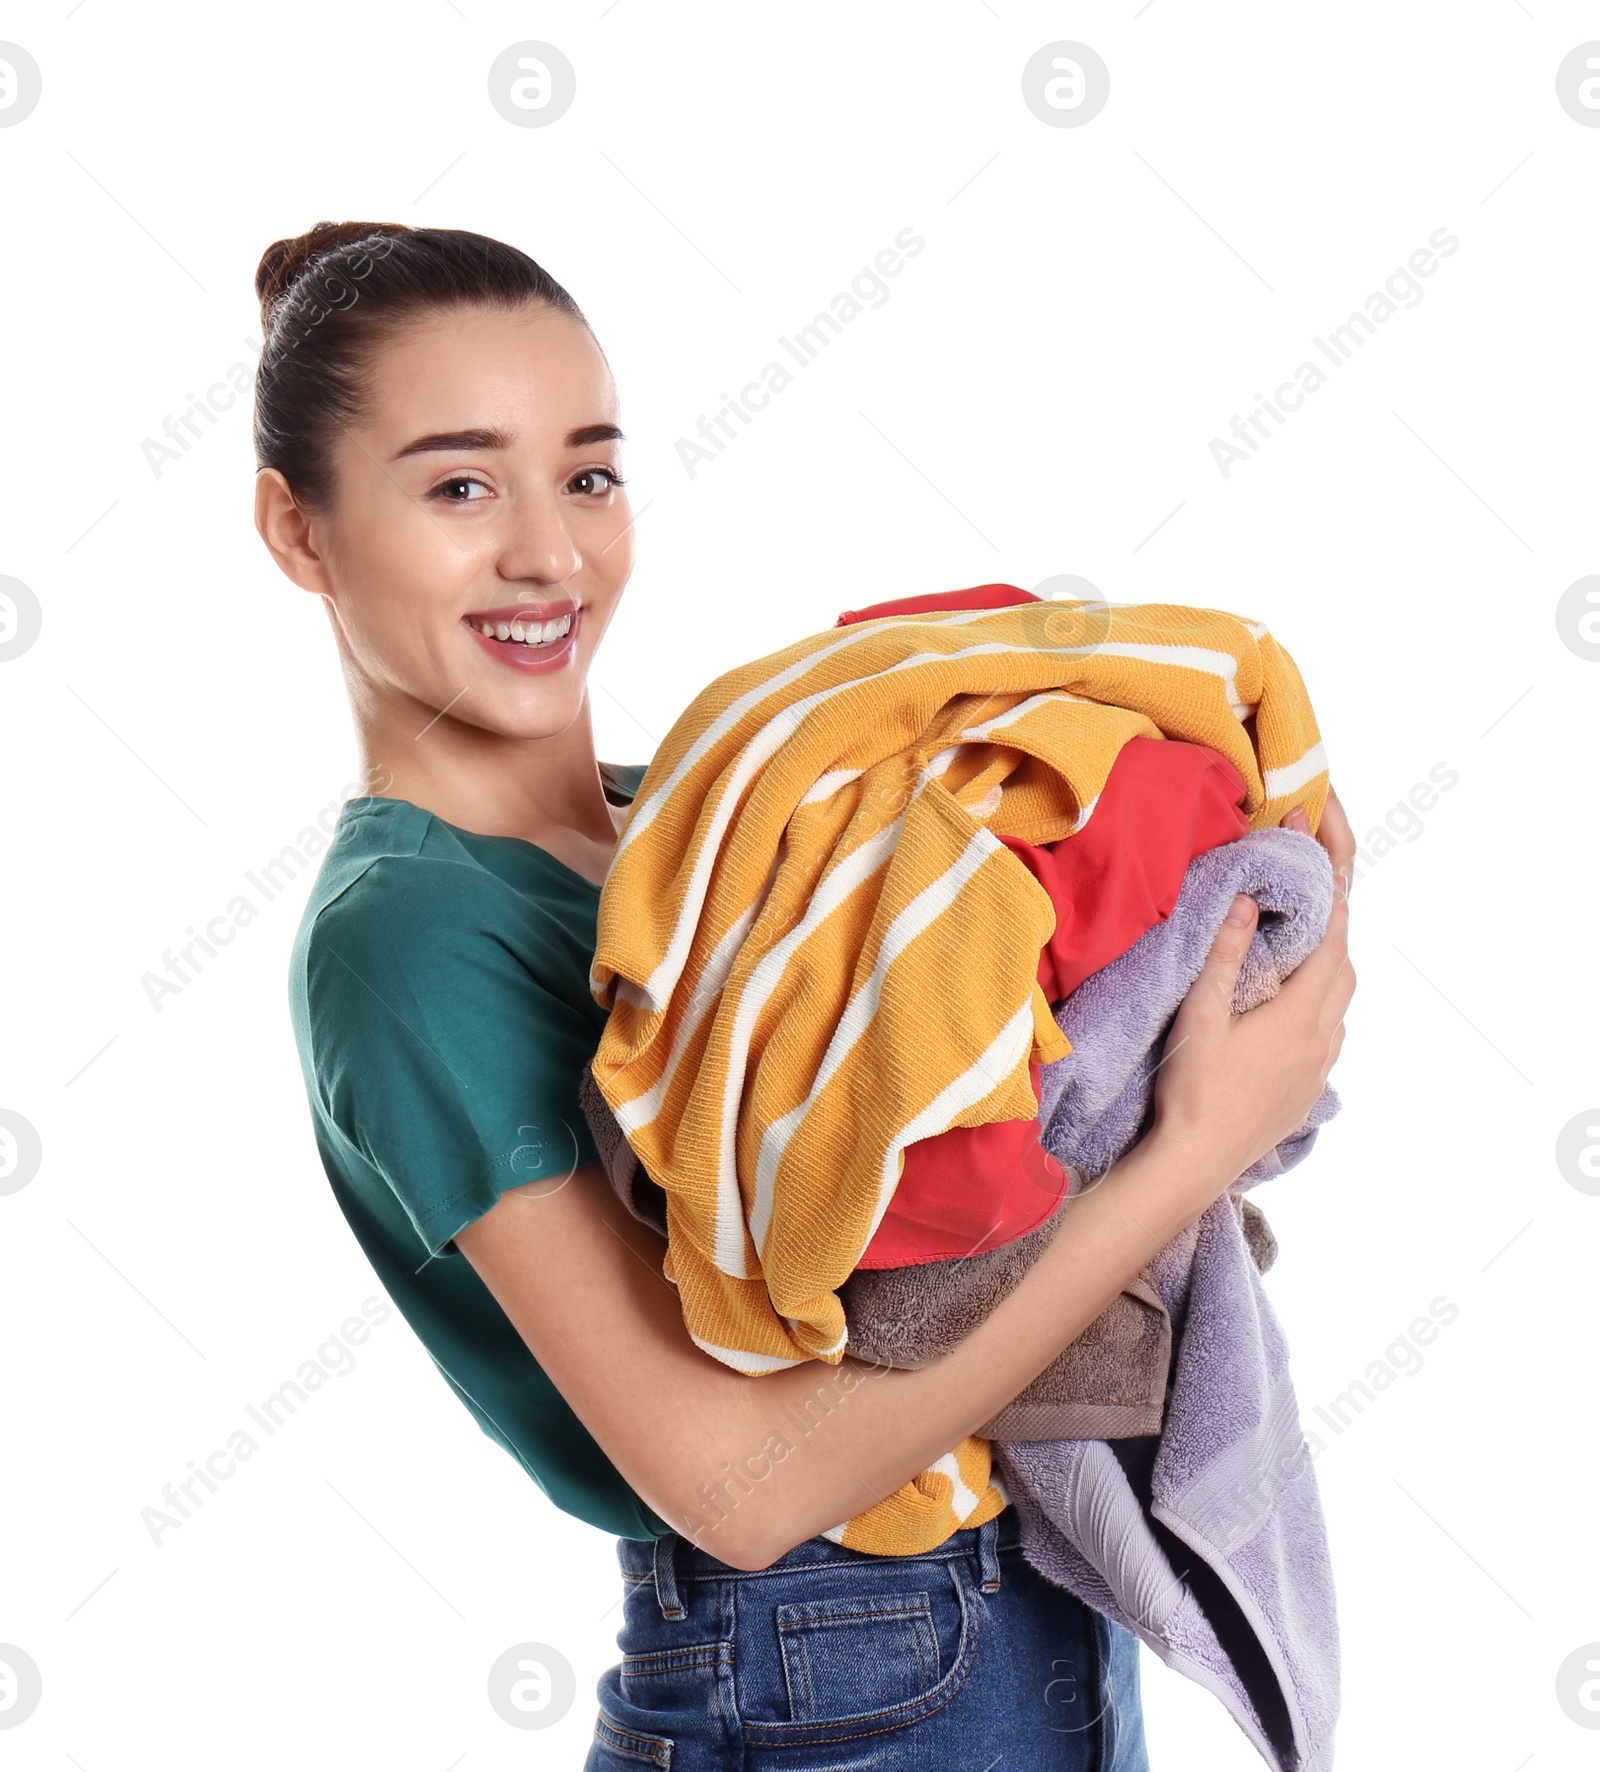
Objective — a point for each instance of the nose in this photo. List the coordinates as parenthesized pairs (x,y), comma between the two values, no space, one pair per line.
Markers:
(538,547)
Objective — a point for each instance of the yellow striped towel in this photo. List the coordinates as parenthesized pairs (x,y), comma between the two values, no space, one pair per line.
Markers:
(815,949)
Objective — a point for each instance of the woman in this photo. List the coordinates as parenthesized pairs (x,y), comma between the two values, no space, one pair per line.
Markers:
(438,441)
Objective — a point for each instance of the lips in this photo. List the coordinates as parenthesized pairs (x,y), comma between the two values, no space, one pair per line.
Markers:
(529,609)
(531,636)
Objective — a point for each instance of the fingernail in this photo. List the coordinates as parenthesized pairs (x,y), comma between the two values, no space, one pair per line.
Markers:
(1239,910)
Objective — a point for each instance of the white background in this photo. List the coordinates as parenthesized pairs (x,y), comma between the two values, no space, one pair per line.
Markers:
(1037,395)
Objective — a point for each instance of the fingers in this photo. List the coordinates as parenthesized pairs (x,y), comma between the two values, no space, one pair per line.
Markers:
(1326,977)
(1213,990)
(1334,834)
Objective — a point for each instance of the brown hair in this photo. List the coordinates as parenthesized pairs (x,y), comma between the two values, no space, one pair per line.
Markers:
(328,297)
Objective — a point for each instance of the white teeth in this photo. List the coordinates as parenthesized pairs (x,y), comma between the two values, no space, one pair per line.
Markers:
(529,633)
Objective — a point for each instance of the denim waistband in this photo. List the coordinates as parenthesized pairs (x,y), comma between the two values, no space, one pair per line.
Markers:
(673,1559)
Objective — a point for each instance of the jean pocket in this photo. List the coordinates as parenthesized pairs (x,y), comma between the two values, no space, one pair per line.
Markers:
(689,1678)
(873,1647)
(856,1654)
(614,1748)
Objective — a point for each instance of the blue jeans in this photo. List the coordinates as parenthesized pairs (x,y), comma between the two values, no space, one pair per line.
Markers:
(960,1657)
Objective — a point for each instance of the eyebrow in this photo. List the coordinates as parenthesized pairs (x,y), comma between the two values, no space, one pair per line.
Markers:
(491,438)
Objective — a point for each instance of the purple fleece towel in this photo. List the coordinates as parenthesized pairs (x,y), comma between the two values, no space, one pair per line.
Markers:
(1095,1103)
(1207,1541)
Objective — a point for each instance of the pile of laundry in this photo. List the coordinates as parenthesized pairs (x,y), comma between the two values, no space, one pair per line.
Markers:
(891,942)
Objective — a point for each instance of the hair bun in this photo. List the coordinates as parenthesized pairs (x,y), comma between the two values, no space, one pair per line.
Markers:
(284,260)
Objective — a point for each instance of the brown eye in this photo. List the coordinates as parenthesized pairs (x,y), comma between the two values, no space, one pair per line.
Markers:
(599,480)
(449,490)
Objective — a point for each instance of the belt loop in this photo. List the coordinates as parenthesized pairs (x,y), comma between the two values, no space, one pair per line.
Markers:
(666,1577)
(989,1556)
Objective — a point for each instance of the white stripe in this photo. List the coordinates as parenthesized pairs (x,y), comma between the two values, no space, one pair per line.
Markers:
(1194,658)
(963,1501)
(835,1534)
(764,979)
(826,786)
(930,903)
(753,1365)
(1291,776)
(778,1133)
(644,1108)
(975,734)
(1003,1054)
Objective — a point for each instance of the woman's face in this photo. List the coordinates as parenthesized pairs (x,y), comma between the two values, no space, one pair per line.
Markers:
(477,540)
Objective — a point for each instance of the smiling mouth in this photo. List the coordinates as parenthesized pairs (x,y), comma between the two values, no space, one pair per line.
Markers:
(524,630)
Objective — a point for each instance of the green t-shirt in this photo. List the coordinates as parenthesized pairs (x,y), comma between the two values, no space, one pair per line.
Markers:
(440,995)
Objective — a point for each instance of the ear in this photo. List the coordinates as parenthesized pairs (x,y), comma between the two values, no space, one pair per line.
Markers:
(286,529)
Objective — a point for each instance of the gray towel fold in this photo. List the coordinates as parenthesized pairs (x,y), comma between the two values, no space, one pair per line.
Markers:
(1112,1381)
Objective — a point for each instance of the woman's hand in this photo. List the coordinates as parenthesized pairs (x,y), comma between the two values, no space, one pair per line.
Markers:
(1230,1087)
(1334,834)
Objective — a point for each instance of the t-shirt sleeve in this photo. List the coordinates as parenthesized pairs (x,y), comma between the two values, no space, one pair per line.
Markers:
(439,1053)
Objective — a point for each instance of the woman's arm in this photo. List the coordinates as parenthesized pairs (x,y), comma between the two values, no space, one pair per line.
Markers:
(581,1281)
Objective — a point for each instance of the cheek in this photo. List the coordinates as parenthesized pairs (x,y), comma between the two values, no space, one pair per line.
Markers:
(612,564)
(399,608)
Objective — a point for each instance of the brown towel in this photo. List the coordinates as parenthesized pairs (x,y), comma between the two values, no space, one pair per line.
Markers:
(1109,1384)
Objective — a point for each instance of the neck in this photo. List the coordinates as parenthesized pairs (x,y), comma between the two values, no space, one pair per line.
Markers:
(544,790)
